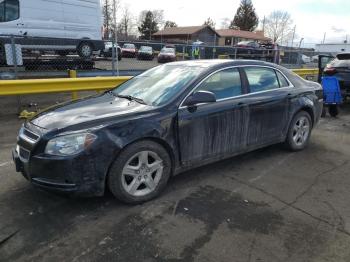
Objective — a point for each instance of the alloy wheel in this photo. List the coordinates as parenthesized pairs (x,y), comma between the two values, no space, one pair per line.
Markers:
(141,173)
(301,130)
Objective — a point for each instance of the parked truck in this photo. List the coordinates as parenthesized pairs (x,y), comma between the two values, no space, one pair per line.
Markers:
(62,26)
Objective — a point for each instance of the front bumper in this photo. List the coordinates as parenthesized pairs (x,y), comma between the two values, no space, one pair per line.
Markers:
(145,56)
(128,54)
(166,59)
(77,175)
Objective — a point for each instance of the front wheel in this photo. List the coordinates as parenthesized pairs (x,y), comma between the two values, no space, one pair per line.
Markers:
(299,131)
(140,172)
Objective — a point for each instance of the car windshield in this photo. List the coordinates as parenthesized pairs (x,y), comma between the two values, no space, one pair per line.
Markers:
(159,85)
(130,46)
(168,50)
(146,48)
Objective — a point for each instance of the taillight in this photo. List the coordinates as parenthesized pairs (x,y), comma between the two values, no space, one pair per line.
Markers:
(330,70)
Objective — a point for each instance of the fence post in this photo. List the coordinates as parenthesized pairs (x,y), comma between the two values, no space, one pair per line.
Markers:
(14,58)
(73,74)
(113,57)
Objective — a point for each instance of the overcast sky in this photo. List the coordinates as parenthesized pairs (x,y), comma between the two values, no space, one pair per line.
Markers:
(312,17)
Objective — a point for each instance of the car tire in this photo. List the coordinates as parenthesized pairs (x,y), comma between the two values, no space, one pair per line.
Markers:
(140,172)
(85,50)
(299,131)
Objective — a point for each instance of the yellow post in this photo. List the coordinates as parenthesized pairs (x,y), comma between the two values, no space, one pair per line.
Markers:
(73,74)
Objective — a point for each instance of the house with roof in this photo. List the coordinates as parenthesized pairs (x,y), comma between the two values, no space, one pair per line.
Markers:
(187,35)
(230,37)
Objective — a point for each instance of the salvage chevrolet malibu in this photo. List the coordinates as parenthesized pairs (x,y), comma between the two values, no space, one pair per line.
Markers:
(171,118)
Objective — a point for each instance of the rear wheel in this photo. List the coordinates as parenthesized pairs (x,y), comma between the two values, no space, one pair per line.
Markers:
(140,172)
(299,131)
(85,50)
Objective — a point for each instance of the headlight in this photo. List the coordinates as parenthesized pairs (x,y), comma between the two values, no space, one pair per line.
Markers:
(69,144)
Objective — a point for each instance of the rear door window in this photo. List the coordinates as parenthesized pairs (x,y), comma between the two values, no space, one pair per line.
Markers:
(282,80)
(261,79)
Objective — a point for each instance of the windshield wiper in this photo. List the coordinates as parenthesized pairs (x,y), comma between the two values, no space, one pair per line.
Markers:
(132,98)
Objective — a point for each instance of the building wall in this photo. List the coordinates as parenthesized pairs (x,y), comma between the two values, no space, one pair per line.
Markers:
(207,36)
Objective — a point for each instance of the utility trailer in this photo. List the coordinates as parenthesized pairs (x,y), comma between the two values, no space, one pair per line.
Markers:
(57,63)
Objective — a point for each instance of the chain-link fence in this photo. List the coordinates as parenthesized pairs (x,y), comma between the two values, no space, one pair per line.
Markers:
(24,57)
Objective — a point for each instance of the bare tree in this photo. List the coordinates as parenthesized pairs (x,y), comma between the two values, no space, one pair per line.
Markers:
(210,22)
(107,12)
(126,22)
(170,24)
(279,26)
(225,23)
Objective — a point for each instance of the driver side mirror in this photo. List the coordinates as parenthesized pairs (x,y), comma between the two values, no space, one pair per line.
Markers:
(200,97)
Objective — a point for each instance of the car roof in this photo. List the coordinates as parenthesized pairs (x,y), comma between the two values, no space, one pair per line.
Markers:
(222,63)
(343,56)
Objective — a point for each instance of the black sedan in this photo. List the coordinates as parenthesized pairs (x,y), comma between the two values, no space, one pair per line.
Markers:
(172,118)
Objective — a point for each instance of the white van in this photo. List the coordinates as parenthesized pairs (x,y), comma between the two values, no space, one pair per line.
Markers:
(60,25)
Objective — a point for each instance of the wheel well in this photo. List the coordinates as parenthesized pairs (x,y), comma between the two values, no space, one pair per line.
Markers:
(310,112)
(87,42)
(159,141)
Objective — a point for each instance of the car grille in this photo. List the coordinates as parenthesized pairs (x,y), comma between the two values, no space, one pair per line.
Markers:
(29,136)
(24,154)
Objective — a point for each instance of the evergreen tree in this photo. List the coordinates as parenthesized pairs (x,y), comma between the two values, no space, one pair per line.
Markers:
(148,26)
(246,17)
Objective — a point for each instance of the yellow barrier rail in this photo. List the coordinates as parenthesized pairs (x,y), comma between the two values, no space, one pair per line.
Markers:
(306,72)
(41,86)
(74,85)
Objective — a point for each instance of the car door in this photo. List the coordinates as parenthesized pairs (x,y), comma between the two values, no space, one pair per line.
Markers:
(214,129)
(268,101)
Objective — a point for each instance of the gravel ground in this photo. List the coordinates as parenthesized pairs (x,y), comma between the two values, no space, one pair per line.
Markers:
(267,205)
